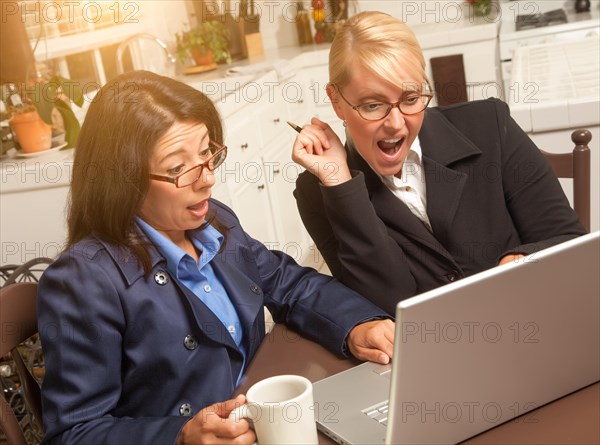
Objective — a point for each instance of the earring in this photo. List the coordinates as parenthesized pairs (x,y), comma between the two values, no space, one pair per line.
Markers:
(344,124)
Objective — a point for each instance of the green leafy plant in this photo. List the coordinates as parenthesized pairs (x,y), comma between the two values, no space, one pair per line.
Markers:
(481,7)
(210,35)
(44,95)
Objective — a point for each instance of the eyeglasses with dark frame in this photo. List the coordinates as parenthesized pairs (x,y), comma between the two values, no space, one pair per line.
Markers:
(413,103)
(187,178)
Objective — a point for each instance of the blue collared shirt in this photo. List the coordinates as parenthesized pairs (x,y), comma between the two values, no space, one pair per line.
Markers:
(200,277)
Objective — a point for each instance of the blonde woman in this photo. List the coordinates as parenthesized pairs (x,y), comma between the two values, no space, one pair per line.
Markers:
(418,197)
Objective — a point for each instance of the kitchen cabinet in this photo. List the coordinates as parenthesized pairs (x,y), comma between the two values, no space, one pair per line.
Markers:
(241,180)
(257,179)
(314,79)
(33,224)
(297,98)
(259,176)
(250,201)
(33,198)
(282,172)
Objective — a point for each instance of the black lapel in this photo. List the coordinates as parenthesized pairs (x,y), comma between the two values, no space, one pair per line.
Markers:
(396,216)
(443,148)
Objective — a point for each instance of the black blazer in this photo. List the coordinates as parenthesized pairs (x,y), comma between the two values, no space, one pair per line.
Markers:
(490,192)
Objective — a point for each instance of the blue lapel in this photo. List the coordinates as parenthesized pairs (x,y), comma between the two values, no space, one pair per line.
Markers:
(246,295)
(235,272)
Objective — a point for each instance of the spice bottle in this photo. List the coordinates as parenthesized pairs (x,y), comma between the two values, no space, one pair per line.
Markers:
(303,25)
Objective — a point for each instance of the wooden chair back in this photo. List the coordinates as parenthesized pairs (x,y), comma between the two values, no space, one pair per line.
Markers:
(576,165)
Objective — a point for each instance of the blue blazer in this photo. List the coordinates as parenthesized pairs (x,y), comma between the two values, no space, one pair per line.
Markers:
(129,356)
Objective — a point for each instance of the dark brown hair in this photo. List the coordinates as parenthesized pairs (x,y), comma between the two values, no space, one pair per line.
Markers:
(111,167)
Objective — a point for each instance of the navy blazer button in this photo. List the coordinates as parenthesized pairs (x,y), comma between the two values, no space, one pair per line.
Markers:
(161,277)
(185,410)
(254,288)
(190,342)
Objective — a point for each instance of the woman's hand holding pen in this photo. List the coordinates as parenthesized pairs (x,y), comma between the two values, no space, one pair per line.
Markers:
(319,150)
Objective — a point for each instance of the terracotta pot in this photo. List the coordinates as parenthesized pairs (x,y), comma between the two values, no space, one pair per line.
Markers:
(202,59)
(33,134)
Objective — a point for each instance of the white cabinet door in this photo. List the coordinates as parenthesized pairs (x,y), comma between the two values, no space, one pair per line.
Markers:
(281,173)
(272,114)
(298,99)
(33,224)
(243,145)
(258,177)
(250,202)
(317,77)
(315,80)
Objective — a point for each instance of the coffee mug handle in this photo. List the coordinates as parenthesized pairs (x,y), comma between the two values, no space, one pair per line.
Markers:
(243,412)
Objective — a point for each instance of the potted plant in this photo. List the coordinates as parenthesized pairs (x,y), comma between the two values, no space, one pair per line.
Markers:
(31,107)
(209,39)
(33,100)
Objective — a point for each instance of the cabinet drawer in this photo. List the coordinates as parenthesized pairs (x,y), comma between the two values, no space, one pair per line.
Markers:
(272,117)
(242,140)
(250,201)
(297,99)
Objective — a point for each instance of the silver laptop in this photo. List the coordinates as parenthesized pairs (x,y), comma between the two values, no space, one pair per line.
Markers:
(473,354)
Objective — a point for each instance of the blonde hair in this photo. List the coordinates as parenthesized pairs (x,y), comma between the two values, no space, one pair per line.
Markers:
(380,43)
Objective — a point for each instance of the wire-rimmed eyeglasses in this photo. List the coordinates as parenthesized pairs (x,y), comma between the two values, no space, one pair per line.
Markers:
(412,103)
(216,155)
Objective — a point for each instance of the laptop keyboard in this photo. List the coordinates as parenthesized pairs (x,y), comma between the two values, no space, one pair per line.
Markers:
(378,412)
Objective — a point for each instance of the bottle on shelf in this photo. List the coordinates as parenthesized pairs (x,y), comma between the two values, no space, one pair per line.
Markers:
(303,25)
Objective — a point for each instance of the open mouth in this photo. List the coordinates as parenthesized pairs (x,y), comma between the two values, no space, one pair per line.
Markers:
(200,208)
(390,146)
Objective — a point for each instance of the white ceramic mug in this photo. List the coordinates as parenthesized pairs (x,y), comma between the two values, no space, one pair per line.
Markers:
(281,410)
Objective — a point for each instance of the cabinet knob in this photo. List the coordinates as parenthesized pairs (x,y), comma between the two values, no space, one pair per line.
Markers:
(276,120)
(244,146)
(261,187)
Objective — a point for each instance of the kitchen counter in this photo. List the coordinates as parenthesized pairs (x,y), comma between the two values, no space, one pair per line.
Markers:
(227,79)
(45,170)
(449,33)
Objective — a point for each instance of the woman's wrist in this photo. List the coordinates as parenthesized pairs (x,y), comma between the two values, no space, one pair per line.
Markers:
(335,175)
